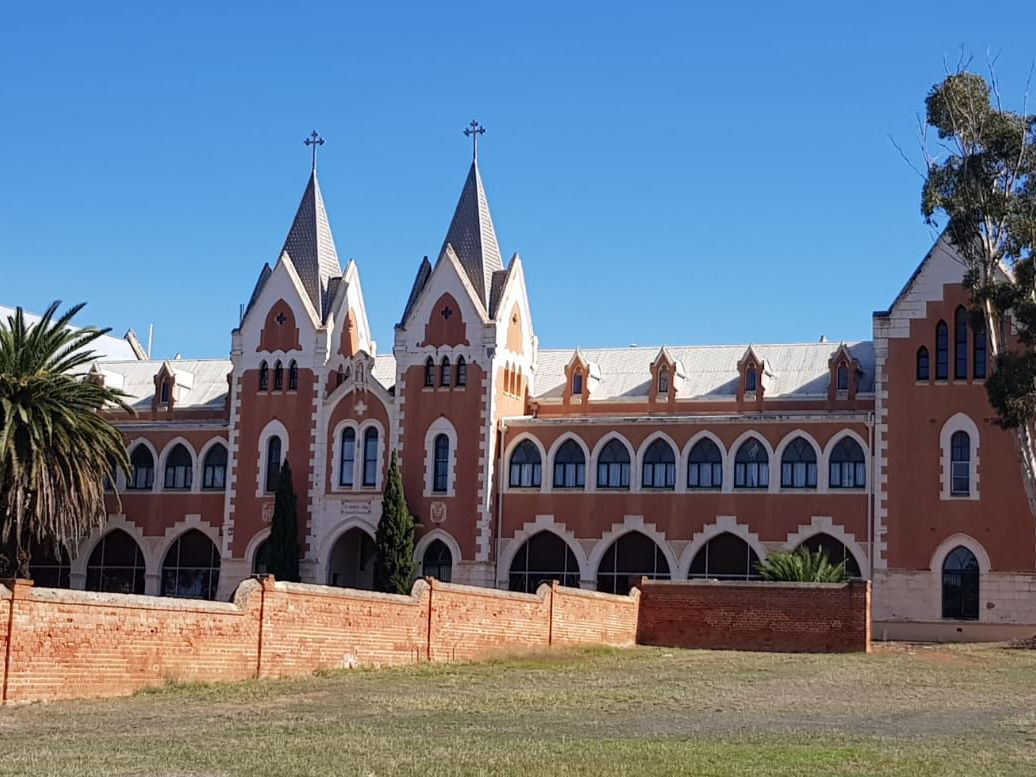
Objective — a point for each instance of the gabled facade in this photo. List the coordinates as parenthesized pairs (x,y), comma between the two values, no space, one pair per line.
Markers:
(590,466)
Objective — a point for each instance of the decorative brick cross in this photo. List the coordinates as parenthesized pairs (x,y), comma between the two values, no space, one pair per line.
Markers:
(447,312)
(360,407)
(281,318)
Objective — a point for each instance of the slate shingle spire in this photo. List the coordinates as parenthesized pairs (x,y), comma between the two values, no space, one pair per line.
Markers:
(473,236)
(311,247)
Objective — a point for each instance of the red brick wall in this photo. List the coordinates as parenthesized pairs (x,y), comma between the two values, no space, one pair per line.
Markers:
(467,622)
(789,617)
(5,612)
(591,618)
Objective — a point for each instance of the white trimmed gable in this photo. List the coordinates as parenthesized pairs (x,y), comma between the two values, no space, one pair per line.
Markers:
(350,297)
(448,277)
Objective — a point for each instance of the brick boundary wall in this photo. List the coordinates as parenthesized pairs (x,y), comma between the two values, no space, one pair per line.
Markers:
(61,644)
(782,617)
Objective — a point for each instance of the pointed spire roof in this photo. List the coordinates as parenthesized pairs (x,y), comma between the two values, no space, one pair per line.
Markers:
(473,236)
(311,247)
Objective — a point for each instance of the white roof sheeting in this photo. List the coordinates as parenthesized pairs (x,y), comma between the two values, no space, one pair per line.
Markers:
(106,347)
(209,387)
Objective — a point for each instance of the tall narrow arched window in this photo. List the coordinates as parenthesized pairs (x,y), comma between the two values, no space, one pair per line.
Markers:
(462,371)
(178,469)
(751,465)
(370,457)
(705,465)
(922,364)
(163,393)
(979,349)
(278,376)
(441,464)
(445,373)
(960,464)
(429,372)
(842,377)
(264,376)
(799,465)
(214,468)
(526,466)
(613,466)
(347,458)
(942,351)
(293,376)
(751,380)
(577,383)
(142,469)
(273,463)
(960,344)
(960,585)
(847,467)
(569,466)
(663,382)
(659,468)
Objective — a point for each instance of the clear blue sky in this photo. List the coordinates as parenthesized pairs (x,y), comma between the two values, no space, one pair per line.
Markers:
(677,173)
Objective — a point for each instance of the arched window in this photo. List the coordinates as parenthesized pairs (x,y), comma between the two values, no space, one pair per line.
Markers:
(278,376)
(437,562)
(628,559)
(441,464)
(273,463)
(351,562)
(462,371)
(370,457)
(261,559)
(725,557)
(960,581)
(960,344)
(264,376)
(526,466)
(847,468)
(659,469)
(751,380)
(116,565)
(922,363)
(751,465)
(347,458)
(178,467)
(577,383)
(429,372)
(979,348)
(960,464)
(163,393)
(142,469)
(842,377)
(47,570)
(942,351)
(293,376)
(191,567)
(214,468)
(835,551)
(799,465)
(705,465)
(445,373)
(663,382)
(613,466)
(569,466)
(542,558)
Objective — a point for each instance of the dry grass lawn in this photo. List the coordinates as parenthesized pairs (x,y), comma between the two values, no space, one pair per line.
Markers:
(904,710)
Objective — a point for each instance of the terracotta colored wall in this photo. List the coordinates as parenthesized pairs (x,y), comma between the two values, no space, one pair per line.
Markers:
(345,410)
(467,621)
(787,617)
(591,618)
(5,613)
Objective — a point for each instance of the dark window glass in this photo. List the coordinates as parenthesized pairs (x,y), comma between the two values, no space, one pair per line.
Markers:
(960,464)
(370,457)
(751,465)
(437,562)
(164,393)
(613,466)
(663,381)
(214,468)
(751,380)
(178,469)
(429,372)
(835,551)
(569,466)
(142,469)
(116,565)
(261,560)
(445,373)
(441,471)
(942,351)
(659,469)
(264,377)
(191,568)
(960,344)
(847,467)
(979,340)
(278,376)
(705,465)
(842,378)
(628,559)
(725,557)
(462,371)
(47,570)
(526,466)
(543,557)
(960,585)
(577,383)
(347,459)
(273,463)
(293,376)
(799,465)
(922,363)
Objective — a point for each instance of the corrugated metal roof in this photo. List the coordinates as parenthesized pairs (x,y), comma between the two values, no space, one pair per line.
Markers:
(107,347)
(209,387)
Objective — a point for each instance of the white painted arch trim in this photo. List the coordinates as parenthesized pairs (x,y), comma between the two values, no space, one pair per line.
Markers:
(631,524)
(824,475)
(553,452)
(441,425)
(778,455)
(253,546)
(339,530)
(728,468)
(591,474)
(512,446)
(336,456)
(637,476)
(824,524)
(530,528)
(272,428)
(445,537)
(189,522)
(130,448)
(724,524)
(164,456)
(959,422)
(947,545)
(116,522)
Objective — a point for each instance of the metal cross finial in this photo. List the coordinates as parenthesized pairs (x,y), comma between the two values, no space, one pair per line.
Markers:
(313,141)
(473,131)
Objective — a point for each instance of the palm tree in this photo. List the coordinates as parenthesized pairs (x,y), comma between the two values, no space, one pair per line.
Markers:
(56,449)
(801,566)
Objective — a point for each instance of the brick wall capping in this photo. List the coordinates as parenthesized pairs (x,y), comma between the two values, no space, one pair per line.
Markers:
(754,584)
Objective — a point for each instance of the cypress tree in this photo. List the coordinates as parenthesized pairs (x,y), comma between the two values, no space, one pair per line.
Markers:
(284,529)
(394,562)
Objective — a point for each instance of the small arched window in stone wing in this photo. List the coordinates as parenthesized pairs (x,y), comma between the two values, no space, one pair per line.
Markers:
(429,372)
(264,376)
(278,376)
(960,464)
(462,371)
(293,376)
(923,367)
(445,373)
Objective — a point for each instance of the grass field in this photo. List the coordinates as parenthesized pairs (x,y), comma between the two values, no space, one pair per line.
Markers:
(912,711)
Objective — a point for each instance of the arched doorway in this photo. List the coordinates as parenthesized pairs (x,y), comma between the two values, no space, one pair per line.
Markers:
(191,567)
(437,562)
(116,565)
(542,558)
(725,557)
(351,563)
(837,552)
(631,557)
(960,585)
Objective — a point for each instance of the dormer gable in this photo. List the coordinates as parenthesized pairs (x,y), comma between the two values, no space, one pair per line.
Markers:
(105,378)
(429,323)
(171,385)
(845,373)
(581,378)
(279,332)
(753,375)
(348,316)
(667,374)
